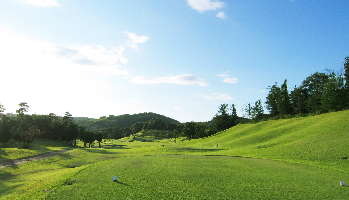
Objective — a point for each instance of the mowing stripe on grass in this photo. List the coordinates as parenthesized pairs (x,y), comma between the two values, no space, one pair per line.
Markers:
(202,177)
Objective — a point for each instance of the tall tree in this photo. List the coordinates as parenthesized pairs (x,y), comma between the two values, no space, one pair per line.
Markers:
(234,115)
(333,96)
(258,110)
(7,126)
(2,109)
(222,120)
(314,85)
(284,104)
(24,107)
(272,100)
(346,72)
(249,111)
(298,100)
(189,130)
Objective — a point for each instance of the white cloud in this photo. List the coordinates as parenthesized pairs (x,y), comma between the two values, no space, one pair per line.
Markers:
(176,108)
(218,96)
(263,90)
(188,79)
(223,75)
(136,39)
(230,80)
(92,55)
(42,3)
(205,5)
(221,15)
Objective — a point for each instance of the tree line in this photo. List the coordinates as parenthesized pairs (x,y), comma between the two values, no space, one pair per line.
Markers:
(25,128)
(318,93)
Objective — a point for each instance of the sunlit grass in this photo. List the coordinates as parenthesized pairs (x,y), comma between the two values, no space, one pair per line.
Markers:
(301,158)
(201,177)
(14,150)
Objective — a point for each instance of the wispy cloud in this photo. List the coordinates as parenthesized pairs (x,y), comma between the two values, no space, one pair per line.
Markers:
(218,96)
(42,3)
(228,80)
(187,79)
(205,5)
(221,15)
(176,108)
(223,75)
(92,55)
(136,40)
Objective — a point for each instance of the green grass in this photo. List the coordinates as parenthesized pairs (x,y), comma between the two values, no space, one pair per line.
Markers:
(300,158)
(320,140)
(14,150)
(201,177)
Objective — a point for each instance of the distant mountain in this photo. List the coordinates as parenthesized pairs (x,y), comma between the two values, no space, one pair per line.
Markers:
(120,121)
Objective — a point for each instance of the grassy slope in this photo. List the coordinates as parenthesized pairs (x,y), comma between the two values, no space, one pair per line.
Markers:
(320,140)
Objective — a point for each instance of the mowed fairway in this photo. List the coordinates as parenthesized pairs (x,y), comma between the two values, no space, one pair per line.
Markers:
(201,177)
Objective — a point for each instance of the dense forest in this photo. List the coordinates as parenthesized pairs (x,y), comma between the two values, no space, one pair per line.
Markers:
(121,121)
(318,93)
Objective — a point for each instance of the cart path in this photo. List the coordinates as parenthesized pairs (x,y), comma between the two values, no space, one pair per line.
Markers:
(15,162)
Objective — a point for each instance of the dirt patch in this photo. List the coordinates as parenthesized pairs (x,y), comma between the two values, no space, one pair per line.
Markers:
(11,163)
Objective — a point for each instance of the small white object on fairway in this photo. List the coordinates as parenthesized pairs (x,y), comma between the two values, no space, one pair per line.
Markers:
(342,183)
(115,179)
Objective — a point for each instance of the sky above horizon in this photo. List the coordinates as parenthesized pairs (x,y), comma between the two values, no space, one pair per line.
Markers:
(181,59)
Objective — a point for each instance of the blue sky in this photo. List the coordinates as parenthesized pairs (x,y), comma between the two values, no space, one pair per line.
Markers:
(178,58)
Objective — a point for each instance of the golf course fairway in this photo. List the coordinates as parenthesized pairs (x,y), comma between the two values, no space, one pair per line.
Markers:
(202,177)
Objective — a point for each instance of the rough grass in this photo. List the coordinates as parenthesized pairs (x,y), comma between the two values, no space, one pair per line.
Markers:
(13,150)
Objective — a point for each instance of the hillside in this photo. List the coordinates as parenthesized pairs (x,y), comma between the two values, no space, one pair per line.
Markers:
(120,121)
(320,140)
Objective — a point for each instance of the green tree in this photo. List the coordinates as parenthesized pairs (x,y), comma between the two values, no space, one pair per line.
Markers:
(249,111)
(156,123)
(7,126)
(333,96)
(222,120)
(346,79)
(201,129)
(99,138)
(314,86)
(2,109)
(189,130)
(346,72)
(139,126)
(258,110)
(283,102)
(71,131)
(299,98)
(24,107)
(272,100)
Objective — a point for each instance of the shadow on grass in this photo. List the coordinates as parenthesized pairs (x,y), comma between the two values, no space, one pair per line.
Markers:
(122,183)
(186,149)
(7,177)
(2,154)
(101,150)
